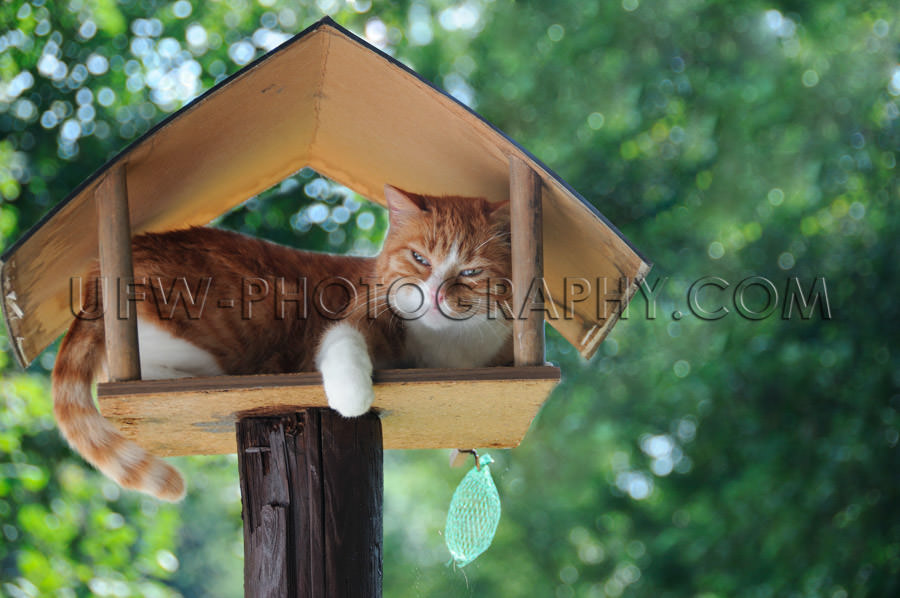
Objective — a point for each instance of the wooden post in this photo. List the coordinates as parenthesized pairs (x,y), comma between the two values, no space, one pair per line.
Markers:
(114,226)
(526,229)
(312,491)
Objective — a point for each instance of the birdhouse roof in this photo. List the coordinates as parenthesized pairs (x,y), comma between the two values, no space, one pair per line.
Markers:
(328,100)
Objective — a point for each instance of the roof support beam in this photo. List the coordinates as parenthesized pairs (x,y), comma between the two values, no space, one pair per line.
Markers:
(117,271)
(526,229)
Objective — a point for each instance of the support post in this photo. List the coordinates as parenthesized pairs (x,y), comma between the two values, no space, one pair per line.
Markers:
(526,229)
(114,227)
(312,494)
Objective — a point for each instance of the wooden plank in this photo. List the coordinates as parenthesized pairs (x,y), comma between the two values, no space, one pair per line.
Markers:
(269,548)
(527,237)
(352,476)
(301,379)
(312,494)
(484,407)
(326,100)
(120,317)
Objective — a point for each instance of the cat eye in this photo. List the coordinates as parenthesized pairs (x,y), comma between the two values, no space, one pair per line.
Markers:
(418,257)
(471,272)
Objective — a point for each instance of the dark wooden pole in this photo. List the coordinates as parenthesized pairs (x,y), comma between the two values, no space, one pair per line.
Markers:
(526,230)
(312,491)
(114,227)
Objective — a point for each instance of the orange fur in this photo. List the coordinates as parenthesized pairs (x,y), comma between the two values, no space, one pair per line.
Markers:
(267,340)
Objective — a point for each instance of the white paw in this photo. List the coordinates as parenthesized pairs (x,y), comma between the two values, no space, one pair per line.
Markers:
(349,393)
(346,368)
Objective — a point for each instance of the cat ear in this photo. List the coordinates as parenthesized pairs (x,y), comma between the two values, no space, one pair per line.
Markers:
(498,213)
(400,203)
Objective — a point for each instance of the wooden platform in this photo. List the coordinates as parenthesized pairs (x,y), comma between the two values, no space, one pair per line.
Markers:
(420,408)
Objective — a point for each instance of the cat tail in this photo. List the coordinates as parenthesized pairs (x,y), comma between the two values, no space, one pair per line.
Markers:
(81,358)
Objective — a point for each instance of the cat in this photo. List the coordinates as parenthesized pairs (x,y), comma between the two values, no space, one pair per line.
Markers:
(212,302)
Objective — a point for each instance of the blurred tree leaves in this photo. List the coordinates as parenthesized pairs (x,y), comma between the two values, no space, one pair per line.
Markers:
(64,526)
(689,458)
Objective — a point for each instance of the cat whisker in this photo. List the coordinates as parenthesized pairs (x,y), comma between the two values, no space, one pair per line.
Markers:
(493,237)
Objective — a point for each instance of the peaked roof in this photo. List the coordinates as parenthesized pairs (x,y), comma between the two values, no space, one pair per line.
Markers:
(329,100)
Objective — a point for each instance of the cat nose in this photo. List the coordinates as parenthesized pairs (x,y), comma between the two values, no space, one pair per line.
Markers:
(440,295)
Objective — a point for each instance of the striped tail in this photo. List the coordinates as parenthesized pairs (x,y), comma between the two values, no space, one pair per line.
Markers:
(80,358)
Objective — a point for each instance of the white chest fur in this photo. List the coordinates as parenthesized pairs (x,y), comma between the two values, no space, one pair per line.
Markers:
(468,344)
(164,355)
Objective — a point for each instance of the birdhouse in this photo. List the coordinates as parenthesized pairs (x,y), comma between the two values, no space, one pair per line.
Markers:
(327,100)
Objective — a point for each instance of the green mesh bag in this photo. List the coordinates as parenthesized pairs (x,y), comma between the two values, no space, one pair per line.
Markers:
(474,514)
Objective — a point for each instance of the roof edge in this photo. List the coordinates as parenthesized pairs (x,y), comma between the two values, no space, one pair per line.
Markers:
(121,155)
(328,21)
(325,21)
(12,337)
(593,341)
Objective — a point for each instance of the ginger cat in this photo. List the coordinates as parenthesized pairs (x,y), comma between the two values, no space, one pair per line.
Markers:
(211,302)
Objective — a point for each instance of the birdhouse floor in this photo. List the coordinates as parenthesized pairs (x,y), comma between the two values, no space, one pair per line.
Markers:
(420,408)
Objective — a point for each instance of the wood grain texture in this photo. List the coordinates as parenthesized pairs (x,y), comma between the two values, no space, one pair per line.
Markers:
(328,101)
(353,494)
(312,495)
(527,236)
(265,555)
(120,318)
(483,407)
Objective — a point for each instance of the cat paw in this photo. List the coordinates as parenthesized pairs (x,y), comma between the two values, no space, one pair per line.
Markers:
(350,394)
(343,359)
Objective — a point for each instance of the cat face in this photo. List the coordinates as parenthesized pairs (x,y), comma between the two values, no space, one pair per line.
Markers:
(446,260)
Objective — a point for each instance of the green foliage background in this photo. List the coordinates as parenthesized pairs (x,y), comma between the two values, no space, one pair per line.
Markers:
(689,457)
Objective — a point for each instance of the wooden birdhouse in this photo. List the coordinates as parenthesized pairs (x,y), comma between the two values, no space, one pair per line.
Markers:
(328,100)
